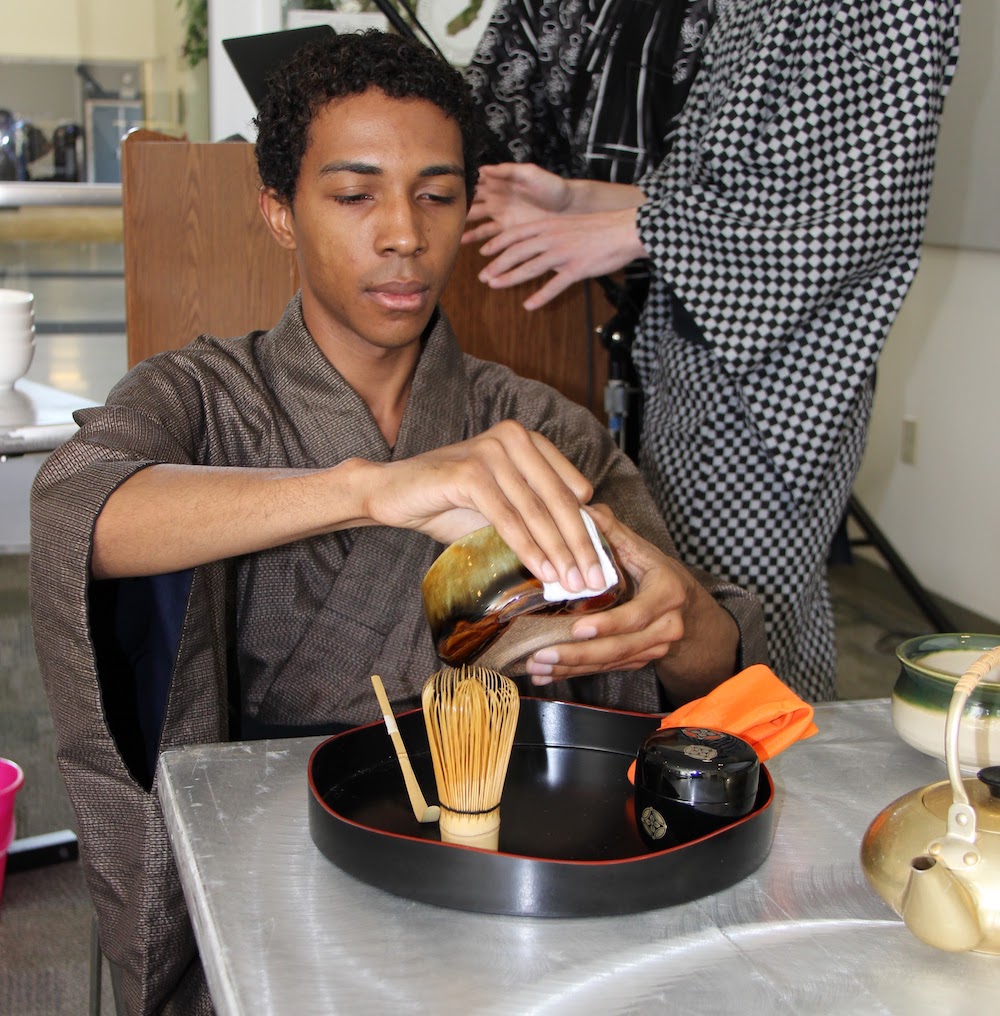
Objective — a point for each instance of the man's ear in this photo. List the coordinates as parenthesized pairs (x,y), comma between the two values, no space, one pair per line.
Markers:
(279,218)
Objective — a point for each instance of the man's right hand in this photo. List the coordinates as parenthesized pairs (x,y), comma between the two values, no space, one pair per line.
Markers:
(508,477)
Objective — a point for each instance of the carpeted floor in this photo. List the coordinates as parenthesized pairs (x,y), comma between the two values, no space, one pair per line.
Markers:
(45,932)
(26,734)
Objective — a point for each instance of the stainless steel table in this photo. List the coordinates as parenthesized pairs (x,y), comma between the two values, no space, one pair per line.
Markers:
(282,930)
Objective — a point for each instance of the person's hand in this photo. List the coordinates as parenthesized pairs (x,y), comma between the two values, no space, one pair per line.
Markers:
(512,478)
(511,193)
(573,247)
(532,222)
(671,621)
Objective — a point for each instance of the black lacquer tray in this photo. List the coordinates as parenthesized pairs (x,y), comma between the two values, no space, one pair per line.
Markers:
(569,846)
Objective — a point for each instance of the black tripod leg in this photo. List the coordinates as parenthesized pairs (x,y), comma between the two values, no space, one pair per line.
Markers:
(876,538)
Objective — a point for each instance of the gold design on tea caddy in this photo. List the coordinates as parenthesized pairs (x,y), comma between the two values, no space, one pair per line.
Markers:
(654,823)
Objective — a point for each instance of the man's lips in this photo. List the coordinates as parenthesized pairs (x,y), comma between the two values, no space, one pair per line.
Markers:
(400,295)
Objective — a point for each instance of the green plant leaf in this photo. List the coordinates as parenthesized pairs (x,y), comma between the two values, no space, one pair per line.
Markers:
(463,19)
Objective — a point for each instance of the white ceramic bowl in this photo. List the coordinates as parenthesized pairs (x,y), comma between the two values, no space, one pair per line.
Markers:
(16,299)
(17,307)
(16,327)
(15,359)
(930,667)
(17,316)
(17,313)
(17,333)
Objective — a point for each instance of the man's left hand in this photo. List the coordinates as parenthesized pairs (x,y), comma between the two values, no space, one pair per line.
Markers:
(671,621)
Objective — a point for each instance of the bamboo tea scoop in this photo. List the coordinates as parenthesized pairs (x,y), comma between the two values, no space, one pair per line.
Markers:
(422,811)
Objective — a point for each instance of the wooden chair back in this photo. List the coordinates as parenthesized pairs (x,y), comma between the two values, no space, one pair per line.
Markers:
(199,258)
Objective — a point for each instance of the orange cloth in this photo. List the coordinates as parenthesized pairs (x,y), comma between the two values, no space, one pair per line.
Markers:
(754,705)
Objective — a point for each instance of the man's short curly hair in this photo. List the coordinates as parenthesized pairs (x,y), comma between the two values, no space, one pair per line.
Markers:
(346,65)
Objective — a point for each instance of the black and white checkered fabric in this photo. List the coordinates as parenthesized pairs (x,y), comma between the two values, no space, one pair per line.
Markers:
(787,220)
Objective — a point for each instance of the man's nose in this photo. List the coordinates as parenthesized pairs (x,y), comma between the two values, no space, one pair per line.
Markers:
(402,228)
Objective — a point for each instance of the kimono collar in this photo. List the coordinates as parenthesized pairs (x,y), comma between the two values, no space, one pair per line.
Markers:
(334,421)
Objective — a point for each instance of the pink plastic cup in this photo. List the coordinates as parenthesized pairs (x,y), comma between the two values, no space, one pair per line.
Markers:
(11,778)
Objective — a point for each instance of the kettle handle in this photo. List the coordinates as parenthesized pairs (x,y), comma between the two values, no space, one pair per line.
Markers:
(958,848)
(960,695)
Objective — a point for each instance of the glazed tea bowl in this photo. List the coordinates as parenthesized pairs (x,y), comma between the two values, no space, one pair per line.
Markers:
(930,666)
(485,608)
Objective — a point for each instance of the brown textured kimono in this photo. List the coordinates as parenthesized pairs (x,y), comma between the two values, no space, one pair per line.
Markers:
(311,620)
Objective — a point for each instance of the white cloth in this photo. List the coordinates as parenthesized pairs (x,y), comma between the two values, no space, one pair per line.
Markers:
(556,592)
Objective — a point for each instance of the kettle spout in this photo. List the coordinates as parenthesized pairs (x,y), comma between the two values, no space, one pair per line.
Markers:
(937,907)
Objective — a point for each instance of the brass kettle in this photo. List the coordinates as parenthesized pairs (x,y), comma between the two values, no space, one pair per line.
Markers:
(934,854)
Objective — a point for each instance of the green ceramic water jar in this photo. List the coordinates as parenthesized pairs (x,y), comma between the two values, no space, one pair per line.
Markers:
(930,667)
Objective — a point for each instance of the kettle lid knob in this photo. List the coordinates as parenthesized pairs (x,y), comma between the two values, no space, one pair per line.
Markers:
(991,777)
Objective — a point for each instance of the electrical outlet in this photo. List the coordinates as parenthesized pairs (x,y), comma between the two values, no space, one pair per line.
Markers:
(908,444)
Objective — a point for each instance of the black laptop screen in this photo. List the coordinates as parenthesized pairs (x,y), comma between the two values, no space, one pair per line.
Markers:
(255,56)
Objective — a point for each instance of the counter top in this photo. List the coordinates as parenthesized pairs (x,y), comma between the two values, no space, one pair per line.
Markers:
(18,193)
(36,418)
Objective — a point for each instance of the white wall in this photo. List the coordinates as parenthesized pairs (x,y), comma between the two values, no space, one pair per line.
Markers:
(435,15)
(79,29)
(941,366)
(965,211)
(230,108)
(176,94)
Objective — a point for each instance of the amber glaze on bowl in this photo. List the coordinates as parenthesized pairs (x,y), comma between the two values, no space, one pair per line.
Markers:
(477,587)
(930,667)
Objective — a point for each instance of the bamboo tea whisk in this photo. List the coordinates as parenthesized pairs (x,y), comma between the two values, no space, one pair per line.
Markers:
(470,714)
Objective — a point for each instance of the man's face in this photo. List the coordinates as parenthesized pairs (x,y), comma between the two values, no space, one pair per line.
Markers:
(376,221)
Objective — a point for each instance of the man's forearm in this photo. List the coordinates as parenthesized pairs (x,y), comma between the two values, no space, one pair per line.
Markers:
(168,517)
(707,655)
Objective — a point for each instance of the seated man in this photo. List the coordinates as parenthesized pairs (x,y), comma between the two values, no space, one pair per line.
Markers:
(235,542)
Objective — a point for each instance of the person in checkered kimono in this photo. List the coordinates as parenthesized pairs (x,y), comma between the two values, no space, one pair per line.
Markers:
(783,229)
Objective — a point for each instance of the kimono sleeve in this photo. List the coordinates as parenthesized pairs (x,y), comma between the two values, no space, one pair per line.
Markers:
(99,702)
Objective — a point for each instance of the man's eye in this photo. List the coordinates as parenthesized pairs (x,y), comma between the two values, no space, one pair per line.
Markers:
(350,199)
(440,199)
